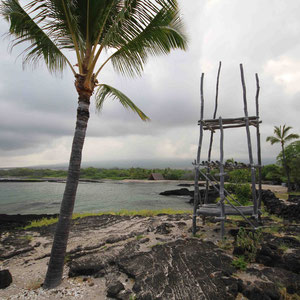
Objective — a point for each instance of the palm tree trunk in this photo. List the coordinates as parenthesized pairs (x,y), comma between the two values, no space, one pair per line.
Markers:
(286,169)
(58,252)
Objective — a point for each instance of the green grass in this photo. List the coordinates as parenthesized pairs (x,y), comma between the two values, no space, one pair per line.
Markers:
(272,217)
(26,237)
(225,245)
(143,212)
(272,229)
(240,263)
(286,296)
(157,244)
(197,235)
(285,196)
(41,223)
(139,237)
(124,212)
(282,196)
(283,247)
(235,218)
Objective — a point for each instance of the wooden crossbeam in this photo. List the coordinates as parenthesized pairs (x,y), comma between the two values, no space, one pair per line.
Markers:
(230,120)
(216,127)
(214,210)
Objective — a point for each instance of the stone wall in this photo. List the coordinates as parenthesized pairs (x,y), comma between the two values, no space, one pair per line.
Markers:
(289,211)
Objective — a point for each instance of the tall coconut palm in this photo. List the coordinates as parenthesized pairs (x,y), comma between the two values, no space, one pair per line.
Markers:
(281,136)
(124,32)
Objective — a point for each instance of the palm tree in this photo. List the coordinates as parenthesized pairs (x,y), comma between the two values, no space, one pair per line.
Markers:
(281,136)
(126,31)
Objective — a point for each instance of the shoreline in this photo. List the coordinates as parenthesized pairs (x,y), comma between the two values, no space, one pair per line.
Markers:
(273,188)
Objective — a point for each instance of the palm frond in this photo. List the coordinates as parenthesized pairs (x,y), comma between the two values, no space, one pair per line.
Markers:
(285,130)
(105,91)
(278,131)
(292,136)
(25,29)
(273,140)
(147,29)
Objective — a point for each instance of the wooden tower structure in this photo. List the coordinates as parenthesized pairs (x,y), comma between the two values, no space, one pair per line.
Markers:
(225,205)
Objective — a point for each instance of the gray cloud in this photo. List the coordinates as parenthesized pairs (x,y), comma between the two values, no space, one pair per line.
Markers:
(38,110)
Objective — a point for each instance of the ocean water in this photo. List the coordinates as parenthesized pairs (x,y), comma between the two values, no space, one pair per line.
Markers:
(45,197)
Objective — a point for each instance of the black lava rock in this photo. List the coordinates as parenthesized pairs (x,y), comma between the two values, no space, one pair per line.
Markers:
(114,289)
(5,279)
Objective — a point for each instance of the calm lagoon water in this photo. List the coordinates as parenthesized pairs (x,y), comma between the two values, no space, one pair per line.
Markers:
(45,197)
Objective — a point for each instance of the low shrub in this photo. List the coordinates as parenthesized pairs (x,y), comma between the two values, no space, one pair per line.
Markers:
(240,263)
(241,191)
(250,242)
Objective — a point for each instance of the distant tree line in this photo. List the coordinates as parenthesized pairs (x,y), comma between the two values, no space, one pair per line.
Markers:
(100,173)
(273,173)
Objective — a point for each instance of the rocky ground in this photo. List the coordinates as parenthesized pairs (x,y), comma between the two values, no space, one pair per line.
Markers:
(122,257)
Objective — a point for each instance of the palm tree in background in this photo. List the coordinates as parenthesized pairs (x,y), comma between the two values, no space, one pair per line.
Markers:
(281,136)
(124,32)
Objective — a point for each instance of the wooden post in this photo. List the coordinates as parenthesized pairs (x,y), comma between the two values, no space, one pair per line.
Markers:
(258,142)
(229,196)
(197,196)
(211,133)
(255,208)
(222,197)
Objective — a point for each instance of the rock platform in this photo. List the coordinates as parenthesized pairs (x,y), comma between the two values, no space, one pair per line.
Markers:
(135,257)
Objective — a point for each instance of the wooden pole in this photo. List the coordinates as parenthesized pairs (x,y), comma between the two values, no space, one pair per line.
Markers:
(197,196)
(222,196)
(255,208)
(212,133)
(228,195)
(258,142)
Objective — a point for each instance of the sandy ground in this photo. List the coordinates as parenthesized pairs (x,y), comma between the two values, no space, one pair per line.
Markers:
(273,188)
(276,188)
(28,269)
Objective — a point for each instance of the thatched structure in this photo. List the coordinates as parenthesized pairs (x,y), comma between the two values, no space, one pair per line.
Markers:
(156,176)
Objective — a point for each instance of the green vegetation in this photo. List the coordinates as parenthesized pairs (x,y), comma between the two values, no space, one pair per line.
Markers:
(285,196)
(272,173)
(288,164)
(292,157)
(240,263)
(239,176)
(67,259)
(240,192)
(272,229)
(225,244)
(124,212)
(283,247)
(238,185)
(41,223)
(139,237)
(143,213)
(273,217)
(282,136)
(286,296)
(250,242)
(198,235)
(26,237)
(33,173)
(100,173)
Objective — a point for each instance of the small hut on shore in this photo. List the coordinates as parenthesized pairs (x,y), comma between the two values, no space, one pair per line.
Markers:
(156,176)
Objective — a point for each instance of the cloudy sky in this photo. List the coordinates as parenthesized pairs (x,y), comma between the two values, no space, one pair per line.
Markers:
(37,110)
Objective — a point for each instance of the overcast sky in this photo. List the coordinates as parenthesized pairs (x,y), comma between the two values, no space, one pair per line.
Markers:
(37,110)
